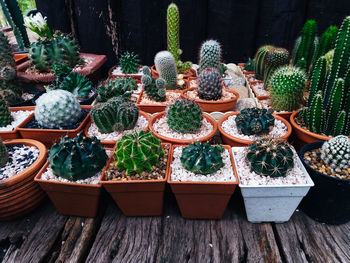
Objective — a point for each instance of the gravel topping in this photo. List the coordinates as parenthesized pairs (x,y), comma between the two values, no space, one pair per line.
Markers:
(27,96)
(260,90)
(170,98)
(118,71)
(193,94)
(251,77)
(18,118)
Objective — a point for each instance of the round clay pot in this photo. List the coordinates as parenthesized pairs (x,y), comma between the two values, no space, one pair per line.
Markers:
(237,142)
(176,141)
(186,75)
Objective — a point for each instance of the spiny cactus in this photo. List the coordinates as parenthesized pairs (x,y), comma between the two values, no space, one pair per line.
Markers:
(329,59)
(166,67)
(138,152)
(254,121)
(103,115)
(78,158)
(270,157)
(184,116)
(210,84)
(154,88)
(249,65)
(275,58)
(336,152)
(326,42)
(210,55)
(127,116)
(287,88)
(259,61)
(318,77)
(57,108)
(4,156)
(5,114)
(129,63)
(114,88)
(202,158)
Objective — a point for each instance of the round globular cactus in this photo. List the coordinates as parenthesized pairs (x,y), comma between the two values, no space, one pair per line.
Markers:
(202,158)
(78,158)
(270,157)
(114,88)
(210,55)
(165,65)
(77,84)
(275,58)
(184,116)
(127,116)
(5,114)
(209,84)
(57,108)
(336,152)
(138,152)
(259,61)
(254,121)
(249,65)
(4,156)
(103,115)
(154,88)
(129,63)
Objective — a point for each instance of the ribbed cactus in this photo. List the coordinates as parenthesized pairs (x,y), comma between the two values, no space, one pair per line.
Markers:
(129,63)
(184,116)
(336,152)
(127,116)
(57,108)
(326,42)
(5,114)
(103,115)
(259,61)
(210,84)
(318,77)
(202,158)
(4,156)
(334,106)
(249,65)
(154,88)
(254,121)
(166,67)
(270,157)
(114,88)
(210,55)
(78,158)
(329,59)
(287,88)
(138,152)
(276,57)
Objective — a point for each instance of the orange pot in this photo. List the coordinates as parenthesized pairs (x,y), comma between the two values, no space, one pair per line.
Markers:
(176,141)
(251,83)
(137,197)
(203,200)
(237,142)
(134,76)
(186,75)
(20,58)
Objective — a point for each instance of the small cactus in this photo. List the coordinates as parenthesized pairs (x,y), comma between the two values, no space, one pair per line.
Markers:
(4,156)
(166,67)
(129,63)
(254,121)
(259,61)
(114,88)
(210,55)
(154,88)
(275,58)
(210,84)
(336,152)
(249,65)
(5,114)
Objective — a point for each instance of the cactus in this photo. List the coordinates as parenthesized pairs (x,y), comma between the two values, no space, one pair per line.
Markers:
(210,55)
(166,67)
(270,157)
(127,116)
(249,65)
(287,88)
(259,61)
(202,158)
(138,152)
(326,42)
(154,88)
(4,156)
(336,152)
(57,108)
(329,59)
(333,108)
(103,115)
(129,63)
(209,84)
(318,77)
(115,88)
(78,158)
(254,121)
(275,58)
(5,114)
(184,116)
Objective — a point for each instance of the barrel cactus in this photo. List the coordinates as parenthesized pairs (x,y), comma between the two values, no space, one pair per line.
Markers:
(114,88)
(138,152)
(259,61)
(4,156)
(202,158)
(166,67)
(336,152)
(210,55)
(5,114)
(103,115)
(275,58)
(127,116)
(77,84)
(249,65)
(129,63)
(57,108)
(209,84)
(254,121)
(270,157)
(184,116)
(78,158)
(154,88)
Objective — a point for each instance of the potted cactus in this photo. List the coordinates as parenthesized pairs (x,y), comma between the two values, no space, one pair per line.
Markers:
(136,174)
(129,66)
(116,87)
(203,179)
(273,181)
(71,175)
(328,164)
(251,124)
(183,123)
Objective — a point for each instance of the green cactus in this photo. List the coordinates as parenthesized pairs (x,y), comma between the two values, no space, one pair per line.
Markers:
(154,88)
(166,67)
(202,158)
(77,84)
(333,108)
(210,55)
(287,88)
(138,152)
(103,115)
(78,158)
(249,65)
(184,116)
(5,114)
(115,87)
(4,156)
(318,77)
(254,121)
(210,84)
(336,152)
(275,58)
(129,63)
(57,108)
(128,114)
(329,59)
(270,157)
(326,42)
(259,61)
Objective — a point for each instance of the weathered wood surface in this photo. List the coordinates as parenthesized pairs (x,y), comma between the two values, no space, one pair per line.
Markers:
(46,236)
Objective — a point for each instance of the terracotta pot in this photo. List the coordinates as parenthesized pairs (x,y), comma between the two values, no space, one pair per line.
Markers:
(111,144)
(237,142)
(20,58)
(176,141)
(186,75)
(18,201)
(134,76)
(251,83)
(19,186)
(50,136)
(285,114)
(137,197)
(16,193)
(203,200)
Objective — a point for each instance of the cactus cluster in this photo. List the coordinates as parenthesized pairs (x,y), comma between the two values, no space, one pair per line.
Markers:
(210,55)
(4,156)
(202,158)
(5,114)
(184,116)
(287,87)
(138,152)
(78,158)
(259,61)
(326,42)
(276,57)
(154,88)
(336,152)
(114,88)
(270,157)
(57,108)
(166,66)
(129,63)
(254,121)
(210,84)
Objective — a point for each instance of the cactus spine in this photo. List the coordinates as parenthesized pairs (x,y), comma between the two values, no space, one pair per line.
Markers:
(5,114)
(259,61)
(326,42)
(275,58)
(129,63)
(336,152)
(4,156)
(210,55)
(166,67)
(114,88)
(318,77)
(254,121)
(154,88)
(209,84)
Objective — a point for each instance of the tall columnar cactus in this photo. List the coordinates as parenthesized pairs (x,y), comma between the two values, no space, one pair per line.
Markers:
(326,42)
(166,67)
(336,152)
(114,88)
(210,55)
(78,158)
(275,58)
(209,84)
(138,152)
(252,121)
(4,156)
(318,77)
(270,157)
(129,63)
(202,158)
(57,108)
(184,116)
(287,88)
(259,61)
(5,114)
(154,88)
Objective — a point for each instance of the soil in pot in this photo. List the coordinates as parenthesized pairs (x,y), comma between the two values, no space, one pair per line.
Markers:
(259,89)
(116,71)
(148,105)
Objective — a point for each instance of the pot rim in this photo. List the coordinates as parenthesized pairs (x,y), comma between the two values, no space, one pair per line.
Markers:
(14,109)
(138,76)
(211,102)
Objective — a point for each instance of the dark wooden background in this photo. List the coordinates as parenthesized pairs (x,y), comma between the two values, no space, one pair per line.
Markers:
(111,27)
